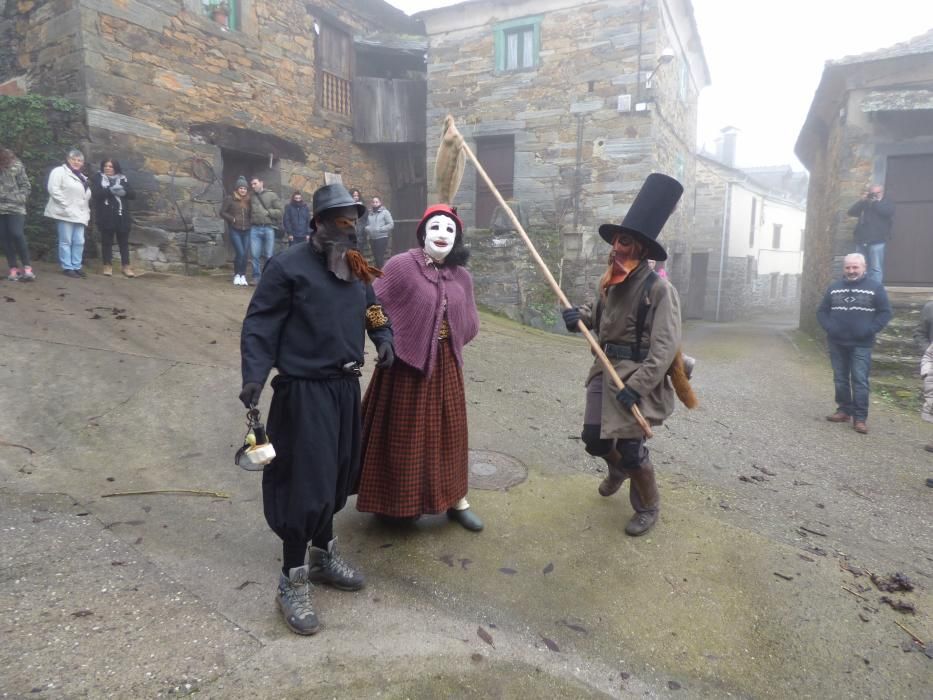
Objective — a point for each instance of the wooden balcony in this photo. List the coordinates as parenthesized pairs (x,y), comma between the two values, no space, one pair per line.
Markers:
(389,110)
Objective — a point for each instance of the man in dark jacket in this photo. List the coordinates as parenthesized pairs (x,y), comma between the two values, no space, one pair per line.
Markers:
(307,319)
(296,220)
(875,216)
(854,309)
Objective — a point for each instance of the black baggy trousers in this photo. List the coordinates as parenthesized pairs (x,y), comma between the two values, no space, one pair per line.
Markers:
(314,426)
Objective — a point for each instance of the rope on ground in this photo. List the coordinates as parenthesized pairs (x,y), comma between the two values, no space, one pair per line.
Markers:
(190,492)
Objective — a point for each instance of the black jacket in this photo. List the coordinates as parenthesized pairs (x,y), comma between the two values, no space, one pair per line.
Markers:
(874,220)
(110,214)
(852,313)
(304,321)
(296,220)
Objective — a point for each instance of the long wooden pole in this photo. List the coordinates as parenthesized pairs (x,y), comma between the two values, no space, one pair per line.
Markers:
(594,345)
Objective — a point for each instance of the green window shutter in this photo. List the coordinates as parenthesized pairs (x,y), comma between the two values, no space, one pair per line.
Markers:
(537,50)
(501,49)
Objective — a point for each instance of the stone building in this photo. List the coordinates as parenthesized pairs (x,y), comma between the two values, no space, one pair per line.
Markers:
(752,236)
(189,94)
(569,105)
(871,121)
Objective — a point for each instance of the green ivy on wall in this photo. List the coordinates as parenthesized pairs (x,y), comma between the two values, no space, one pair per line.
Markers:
(39,130)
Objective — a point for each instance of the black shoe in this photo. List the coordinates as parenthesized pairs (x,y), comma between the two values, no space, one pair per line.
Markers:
(930,482)
(467,518)
(70,273)
(80,273)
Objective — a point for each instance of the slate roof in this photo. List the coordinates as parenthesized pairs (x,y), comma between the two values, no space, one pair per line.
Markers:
(918,45)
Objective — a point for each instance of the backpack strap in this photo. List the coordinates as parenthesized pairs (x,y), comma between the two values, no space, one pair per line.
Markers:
(643,306)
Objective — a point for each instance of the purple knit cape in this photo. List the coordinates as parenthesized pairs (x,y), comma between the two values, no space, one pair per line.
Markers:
(412,294)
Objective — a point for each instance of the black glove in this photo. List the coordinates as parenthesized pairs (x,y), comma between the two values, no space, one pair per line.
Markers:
(628,397)
(250,394)
(571,317)
(386,355)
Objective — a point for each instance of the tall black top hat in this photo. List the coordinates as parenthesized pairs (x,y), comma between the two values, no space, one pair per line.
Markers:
(333,196)
(654,203)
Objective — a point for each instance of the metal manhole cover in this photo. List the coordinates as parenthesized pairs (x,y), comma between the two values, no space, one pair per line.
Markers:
(494,471)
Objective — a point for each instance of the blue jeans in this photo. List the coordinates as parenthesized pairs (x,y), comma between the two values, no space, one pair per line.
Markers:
(261,245)
(70,244)
(874,257)
(851,366)
(240,241)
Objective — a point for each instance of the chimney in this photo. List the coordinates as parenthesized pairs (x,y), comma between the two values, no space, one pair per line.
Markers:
(726,145)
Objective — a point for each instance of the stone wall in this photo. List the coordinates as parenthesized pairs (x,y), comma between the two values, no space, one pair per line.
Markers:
(746,293)
(40,48)
(174,96)
(848,152)
(590,54)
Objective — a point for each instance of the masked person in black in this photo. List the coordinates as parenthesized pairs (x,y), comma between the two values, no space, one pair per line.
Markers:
(307,319)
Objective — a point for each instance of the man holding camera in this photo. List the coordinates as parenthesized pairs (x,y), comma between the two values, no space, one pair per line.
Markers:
(875,216)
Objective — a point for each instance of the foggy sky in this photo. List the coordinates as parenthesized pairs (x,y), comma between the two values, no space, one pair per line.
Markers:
(766,59)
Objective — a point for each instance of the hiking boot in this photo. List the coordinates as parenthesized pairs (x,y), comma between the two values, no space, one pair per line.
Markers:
(14,274)
(610,485)
(645,500)
(860,427)
(294,600)
(839,417)
(616,476)
(327,566)
(107,270)
(80,273)
(70,273)
(128,271)
(28,274)
(467,518)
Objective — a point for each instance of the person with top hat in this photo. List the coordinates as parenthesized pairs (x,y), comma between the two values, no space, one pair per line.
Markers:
(636,317)
(415,446)
(307,318)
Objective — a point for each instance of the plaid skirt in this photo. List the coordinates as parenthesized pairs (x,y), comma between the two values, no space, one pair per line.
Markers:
(415,446)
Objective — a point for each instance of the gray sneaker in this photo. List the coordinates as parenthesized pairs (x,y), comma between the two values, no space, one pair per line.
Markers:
(327,566)
(294,600)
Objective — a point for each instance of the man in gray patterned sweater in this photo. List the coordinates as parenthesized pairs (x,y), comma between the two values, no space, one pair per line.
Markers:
(854,309)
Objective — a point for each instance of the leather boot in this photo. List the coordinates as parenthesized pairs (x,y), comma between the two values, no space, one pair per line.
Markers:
(616,476)
(645,500)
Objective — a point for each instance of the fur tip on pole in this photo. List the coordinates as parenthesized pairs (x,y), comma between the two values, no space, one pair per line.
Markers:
(681,382)
(450,162)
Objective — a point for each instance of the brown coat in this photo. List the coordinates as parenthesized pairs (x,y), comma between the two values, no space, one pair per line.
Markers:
(236,212)
(613,321)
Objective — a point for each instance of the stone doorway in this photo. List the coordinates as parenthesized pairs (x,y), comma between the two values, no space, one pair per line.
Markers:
(909,184)
(236,163)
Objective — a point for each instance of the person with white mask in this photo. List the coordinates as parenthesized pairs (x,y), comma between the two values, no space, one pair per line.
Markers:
(415,446)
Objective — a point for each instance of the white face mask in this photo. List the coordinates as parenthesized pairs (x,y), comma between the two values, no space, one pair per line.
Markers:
(440,232)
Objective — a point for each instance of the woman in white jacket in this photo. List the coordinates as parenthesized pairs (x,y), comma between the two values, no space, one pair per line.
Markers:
(69,205)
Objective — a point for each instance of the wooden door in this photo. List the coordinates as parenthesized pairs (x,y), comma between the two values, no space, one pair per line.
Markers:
(696,295)
(909,253)
(497,154)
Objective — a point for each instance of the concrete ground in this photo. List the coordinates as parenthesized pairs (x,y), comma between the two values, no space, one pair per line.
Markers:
(753,584)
